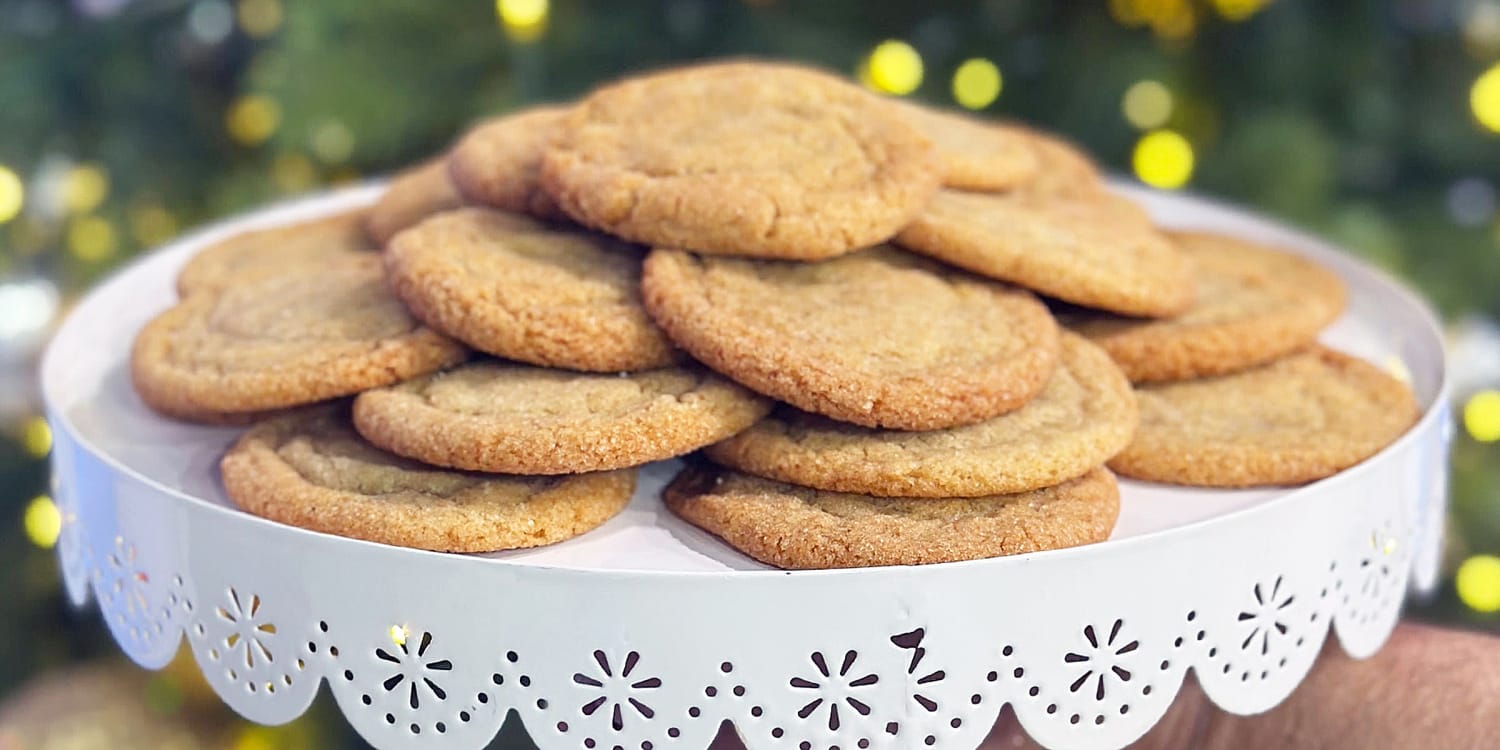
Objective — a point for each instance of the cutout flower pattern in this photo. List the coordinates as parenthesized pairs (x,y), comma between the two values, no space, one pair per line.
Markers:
(616,689)
(836,687)
(1102,659)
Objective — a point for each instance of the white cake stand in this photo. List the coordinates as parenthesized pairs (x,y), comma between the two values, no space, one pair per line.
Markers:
(649,633)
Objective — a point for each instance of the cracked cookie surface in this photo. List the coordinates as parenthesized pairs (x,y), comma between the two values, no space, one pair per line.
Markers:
(311,469)
(879,338)
(1300,418)
(1253,304)
(281,341)
(796,527)
(502,417)
(975,154)
(546,294)
(1093,249)
(248,256)
(498,163)
(1085,415)
(751,159)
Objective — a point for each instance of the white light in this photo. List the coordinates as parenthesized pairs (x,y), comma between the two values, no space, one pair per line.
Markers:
(26,309)
(210,21)
(1471,202)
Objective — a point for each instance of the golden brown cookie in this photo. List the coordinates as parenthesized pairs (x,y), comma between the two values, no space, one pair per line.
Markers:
(1254,304)
(498,162)
(1085,415)
(551,295)
(412,196)
(976,155)
(517,419)
(1062,167)
(273,252)
(796,527)
(880,338)
(1096,250)
(752,159)
(1304,417)
(281,341)
(310,469)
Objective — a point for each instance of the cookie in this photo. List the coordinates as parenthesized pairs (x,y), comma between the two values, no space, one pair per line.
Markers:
(310,469)
(503,417)
(1254,304)
(1085,415)
(285,340)
(514,287)
(752,159)
(1092,249)
(879,338)
(1304,417)
(498,162)
(272,252)
(796,527)
(1063,169)
(411,197)
(975,155)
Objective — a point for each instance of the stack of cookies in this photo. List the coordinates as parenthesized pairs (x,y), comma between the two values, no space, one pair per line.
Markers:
(834,301)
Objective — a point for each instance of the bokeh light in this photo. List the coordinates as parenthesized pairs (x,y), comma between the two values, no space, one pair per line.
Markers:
(1147,104)
(259,18)
(399,634)
(976,83)
(1238,10)
(36,437)
(151,224)
(332,142)
(92,239)
(1478,583)
(523,20)
(293,172)
(84,187)
(1484,98)
(42,522)
(1482,416)
(894,67)
(12,194)
(252,119)
(1163,159)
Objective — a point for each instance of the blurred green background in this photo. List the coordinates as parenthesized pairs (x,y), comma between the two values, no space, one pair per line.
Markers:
(126,122)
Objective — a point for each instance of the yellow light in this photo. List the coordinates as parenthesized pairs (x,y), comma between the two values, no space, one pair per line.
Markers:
(332,142)
(1484,98)
(524,20)
(91,239)
(36,437)
(293,172)
(259,18)
(84,187)
(252,119)
(399,634)
(1147,104)
(976,83)
(1176,21)
(42,522)
(895,68)
(1238,10)
(255,738)
(12,194)
(152,225)
(1482,416)
(1478,583)
(1163,159)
